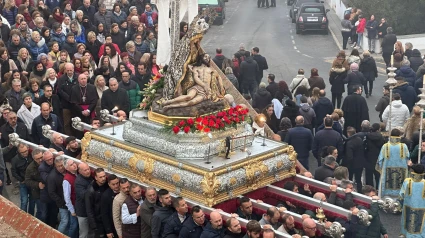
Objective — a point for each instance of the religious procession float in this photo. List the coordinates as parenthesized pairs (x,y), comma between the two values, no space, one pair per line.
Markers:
(195,140)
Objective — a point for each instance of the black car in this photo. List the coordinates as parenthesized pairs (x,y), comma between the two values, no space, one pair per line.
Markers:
(293,12)
(312,17)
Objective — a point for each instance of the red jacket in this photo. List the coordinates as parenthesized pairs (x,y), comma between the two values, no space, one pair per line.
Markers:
(144,19)
(361,26)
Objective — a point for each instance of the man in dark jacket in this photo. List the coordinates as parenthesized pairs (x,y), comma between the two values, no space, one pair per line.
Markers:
(354,158)
(92,199)
(322,107)
(15,95)
(82,183)
(245,210)
(12,126)
(52,99)
(106,202)
(214,229)
(383,102)
(370,72)
(407,93)
(146,211)
(262,97)
(261,61)
(248,75)
(351,225)
(15,44)
(326,170)
(70,46)
(65,84)
(301,139)
(371,27)
(51,210)
(115,97)
(88,10)
(33,181)
(219,58)
(19,165)
(355,109)
(234,229)
(161,214)
(388,45)
(374,143)
(45,118)
(194,225)
(174,223)
(376,229)
(273,87)
(326,137)
(55,190)
(406,72)
(143,76)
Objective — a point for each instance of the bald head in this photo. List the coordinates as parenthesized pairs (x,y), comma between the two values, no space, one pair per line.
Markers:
(299,120)
(320,196)
(57,139)
(308,222)
(322,93)
(216,221)
(84,169)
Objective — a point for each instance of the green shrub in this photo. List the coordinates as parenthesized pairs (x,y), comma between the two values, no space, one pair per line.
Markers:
(405,16)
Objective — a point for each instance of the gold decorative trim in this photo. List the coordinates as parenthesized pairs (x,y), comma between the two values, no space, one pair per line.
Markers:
(210,186)
(107,154)
(163,119)
(85,142)
(255,171)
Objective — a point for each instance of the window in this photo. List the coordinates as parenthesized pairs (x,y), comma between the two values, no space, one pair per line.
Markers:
(312,10)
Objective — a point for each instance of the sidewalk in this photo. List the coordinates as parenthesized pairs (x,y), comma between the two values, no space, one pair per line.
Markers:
(335,29)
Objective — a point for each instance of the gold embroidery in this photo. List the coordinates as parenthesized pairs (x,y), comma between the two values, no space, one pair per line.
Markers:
(394,178)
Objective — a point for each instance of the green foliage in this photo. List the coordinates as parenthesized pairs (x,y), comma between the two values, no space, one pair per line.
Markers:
(405,16)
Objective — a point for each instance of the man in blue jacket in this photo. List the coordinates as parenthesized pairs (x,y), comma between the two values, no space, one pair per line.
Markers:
(301,139)
(45,118)
(175,222)
(194,225)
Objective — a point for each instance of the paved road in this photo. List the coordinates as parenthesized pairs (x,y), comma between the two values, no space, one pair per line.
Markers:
(272,31)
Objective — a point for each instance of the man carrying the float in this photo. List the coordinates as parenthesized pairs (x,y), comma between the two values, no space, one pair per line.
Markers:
(392,164)
(412,196)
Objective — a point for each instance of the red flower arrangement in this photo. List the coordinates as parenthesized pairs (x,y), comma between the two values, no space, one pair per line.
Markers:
(213,122)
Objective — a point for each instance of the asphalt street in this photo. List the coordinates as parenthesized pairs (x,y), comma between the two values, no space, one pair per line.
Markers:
(273,33)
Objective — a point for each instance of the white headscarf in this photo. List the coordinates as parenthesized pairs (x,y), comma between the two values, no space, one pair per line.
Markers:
(278,108)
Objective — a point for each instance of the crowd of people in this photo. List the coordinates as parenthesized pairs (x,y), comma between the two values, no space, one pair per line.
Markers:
(61,60)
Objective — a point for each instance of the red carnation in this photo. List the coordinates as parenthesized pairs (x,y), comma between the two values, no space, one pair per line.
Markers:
(243,118)
(205,121)
(186,129)
(190,121)
(198,120)
(210,123)
(206,129)
(199,127)
(181,123)
(176,129)
(237,120)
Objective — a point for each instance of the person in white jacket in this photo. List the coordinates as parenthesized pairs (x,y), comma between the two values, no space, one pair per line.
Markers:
(28,111)
(399,113)
(299,80)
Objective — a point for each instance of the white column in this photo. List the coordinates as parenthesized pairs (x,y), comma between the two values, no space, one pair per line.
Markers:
(193,10)
(164,42)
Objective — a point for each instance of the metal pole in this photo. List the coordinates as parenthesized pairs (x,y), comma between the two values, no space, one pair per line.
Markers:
(389,117)
(391,82)
(48,133)
(421,104)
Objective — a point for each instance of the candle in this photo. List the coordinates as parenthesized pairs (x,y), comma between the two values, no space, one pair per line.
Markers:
(392,60)
(423,80)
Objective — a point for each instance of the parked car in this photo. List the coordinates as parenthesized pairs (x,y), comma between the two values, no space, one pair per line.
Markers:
(219,7)
(293,12)
(312,17)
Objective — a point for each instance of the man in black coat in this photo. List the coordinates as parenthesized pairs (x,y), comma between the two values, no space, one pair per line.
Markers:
(233,228)
(407,92)
(115,97)
(322,107)
(92,199)
(12,126)
(273,87)
(194,225)
(354,156)
(326,137)
(45,118)
(374,143)
(326,170)
(82,182)
(65,84)
(161,214)
(261,98)
(355,109)
(261,61)
(245,210)
(83,98)
(387,45)
(55,189)
(219,58)
(248,75)
(174,223)
(301,139)
(52,99)
(143,76)
(106,202)
(50,207)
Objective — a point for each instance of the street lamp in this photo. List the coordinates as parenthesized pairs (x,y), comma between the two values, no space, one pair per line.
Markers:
(391,82)
(421,104)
